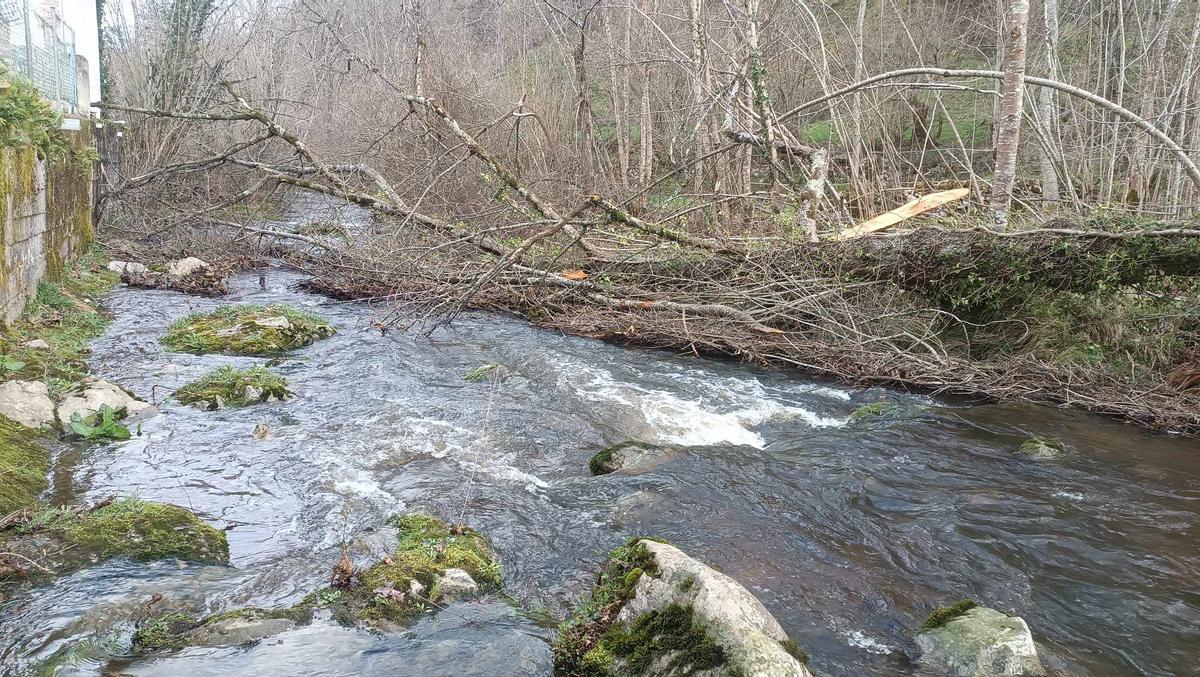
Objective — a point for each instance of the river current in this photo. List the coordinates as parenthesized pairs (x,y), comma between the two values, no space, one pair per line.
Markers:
(849,532)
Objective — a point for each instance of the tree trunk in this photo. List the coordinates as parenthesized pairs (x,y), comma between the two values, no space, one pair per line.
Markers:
(1008,129)
(1047,111)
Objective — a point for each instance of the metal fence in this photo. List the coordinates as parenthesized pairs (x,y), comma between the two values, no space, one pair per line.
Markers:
(37,44)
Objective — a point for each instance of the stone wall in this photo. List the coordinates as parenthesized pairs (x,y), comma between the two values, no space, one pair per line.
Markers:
(45,218)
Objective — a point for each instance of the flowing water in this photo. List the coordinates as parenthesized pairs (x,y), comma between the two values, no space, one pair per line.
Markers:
(848,532)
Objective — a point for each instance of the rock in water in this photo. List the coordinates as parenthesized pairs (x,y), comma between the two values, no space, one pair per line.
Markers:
(749,635)
(237,631)
(677,616)
(618,456)
(274,322)
(185,267)
(91,394)
(452,585)
(262,432)
(982,642)
(123,267)
(1042,449)
(27,403)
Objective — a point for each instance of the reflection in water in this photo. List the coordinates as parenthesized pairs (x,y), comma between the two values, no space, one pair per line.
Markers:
(848,532)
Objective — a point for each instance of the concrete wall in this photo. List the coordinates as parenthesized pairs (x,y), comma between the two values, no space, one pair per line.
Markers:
(45,218)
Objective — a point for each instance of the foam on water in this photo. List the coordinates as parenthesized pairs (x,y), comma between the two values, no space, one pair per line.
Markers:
(869,644)
(725,410)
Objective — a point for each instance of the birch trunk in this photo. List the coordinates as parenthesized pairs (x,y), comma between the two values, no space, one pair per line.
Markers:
(1008,129)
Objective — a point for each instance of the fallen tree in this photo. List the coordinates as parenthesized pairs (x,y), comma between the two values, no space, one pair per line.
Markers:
(957,310)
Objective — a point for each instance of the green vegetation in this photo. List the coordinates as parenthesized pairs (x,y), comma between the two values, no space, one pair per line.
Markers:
(578,648)
(173,631)
(26,119)
(146,531)
(673,631)
(65,315)
(165,633)
(491,371)
(246,330)
(946,614)
(875,410)
(795,651)
(230,386)
(101,425)
(1042,448)
(428,547)
(24,463)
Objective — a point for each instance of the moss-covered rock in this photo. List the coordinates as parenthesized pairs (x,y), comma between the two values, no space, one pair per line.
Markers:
(656,611)
(1042,449)
(59,540)
(612,459)
(246,330)
(943,615)
(385,592)
(176,630)
(974,641)
(875,410)
(233,387)
(24,464)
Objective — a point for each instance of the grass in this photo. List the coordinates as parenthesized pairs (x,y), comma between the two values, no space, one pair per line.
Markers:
(239,330)
(321,228)
(487,372)
(65,315)
(229,385)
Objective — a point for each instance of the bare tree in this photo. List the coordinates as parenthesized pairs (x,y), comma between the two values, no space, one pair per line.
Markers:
(1008,127)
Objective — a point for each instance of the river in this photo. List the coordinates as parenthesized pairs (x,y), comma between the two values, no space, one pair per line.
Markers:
(849,532)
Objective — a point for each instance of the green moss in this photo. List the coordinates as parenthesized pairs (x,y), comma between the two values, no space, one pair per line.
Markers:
(580,634)
(1042,448)
(165,633)
(672,633)
(146,531)
(428,547)
(604,463)
(65,314)
(491,371)
(795,651)
(946,614)
(24,464)
(236,330)
(875,410)
(228,385)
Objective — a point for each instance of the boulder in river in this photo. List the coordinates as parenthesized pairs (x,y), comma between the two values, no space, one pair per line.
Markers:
(618,456)
(1042,449)
(975,641)
(246,330)
(175,631)
(91,394)
(60,540)
(185,266)
(657,611)
(27,403)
